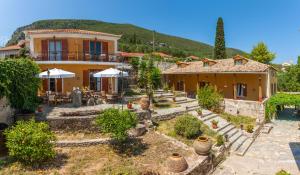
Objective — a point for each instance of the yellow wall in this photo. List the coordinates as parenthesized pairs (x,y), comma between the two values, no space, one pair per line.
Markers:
(224,83)
(78,69)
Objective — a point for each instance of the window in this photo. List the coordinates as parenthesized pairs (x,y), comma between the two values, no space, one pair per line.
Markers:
(95,83)
(238,62)
(205,64)
(55,51)
(241,90)
(52,84)
(95,50)
(180,86)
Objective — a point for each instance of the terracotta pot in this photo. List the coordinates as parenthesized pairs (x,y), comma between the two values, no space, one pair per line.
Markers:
(176,163)
(129,105)
(145,103)
(202,145)
(40,108)
(214,126)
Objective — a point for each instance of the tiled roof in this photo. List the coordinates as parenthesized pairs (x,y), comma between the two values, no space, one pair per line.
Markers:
(13,47)
(162,54)
(77,31)
(218,66)
(126,54)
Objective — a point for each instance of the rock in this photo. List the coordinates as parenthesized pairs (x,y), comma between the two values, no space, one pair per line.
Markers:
(77,97)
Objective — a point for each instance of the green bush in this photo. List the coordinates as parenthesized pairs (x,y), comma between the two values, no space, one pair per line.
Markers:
(18,82)
(116,122)
(220,140)
(187,126)
(30,142)
(250,128)
(282,172)
(209,98)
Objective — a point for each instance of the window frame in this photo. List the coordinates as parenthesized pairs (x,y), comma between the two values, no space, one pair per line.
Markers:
(241,90)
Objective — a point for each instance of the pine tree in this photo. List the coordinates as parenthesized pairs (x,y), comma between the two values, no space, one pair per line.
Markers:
(220,49)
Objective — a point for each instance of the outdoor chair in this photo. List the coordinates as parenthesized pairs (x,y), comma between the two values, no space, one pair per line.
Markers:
(51,99)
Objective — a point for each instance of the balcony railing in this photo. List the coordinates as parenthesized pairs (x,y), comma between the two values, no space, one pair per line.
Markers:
(74,56)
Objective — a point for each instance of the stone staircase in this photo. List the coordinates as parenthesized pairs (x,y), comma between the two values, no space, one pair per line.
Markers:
(238,142)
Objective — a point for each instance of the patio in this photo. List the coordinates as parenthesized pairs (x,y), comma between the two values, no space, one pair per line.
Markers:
(280,149)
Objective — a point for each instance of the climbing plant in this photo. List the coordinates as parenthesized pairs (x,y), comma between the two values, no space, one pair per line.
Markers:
(279,100)
(18,82)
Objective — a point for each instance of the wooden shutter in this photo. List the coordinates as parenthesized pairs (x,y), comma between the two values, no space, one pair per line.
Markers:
(86,49)
(245,90)
(59,85)
(85,78)
(105,84)
(45,85)
(105,50)
(64,44)
(44,50)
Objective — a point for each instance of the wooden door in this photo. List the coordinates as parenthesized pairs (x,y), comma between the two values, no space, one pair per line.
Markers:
(105,84)
(64,43)
(44,50)
(59,84)
(45,85)
(85,78)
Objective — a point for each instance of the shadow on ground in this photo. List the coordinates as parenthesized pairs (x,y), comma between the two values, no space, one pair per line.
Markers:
(131,147)
(289,114)
(295,148)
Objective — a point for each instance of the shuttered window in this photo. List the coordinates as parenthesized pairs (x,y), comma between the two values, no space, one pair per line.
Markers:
(241,90)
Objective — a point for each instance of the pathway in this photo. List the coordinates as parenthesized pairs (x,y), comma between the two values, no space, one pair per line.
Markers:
(280,149)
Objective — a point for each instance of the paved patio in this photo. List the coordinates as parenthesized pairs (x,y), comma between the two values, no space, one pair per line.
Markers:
(280,149)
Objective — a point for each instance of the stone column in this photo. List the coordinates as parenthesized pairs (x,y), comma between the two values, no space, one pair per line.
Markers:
(259,89)
(234,86)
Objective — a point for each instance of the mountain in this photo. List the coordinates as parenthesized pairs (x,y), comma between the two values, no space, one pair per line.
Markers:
(134,38)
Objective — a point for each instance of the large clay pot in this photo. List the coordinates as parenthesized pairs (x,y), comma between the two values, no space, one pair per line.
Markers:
(176,163)
(145,103)
(202,145)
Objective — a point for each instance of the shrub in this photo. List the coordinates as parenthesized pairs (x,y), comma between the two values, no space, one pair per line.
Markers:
(220,140)
(30,142)
(209,98)
(187,126)
(282,172)
(214,122)
(116,122)
(250,128)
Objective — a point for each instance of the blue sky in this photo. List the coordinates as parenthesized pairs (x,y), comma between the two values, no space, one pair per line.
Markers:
(275,22)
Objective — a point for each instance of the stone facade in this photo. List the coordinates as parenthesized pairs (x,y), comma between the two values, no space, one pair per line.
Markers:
(6,112)
(247,108)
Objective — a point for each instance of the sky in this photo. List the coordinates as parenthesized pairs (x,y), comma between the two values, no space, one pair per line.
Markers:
(246,22)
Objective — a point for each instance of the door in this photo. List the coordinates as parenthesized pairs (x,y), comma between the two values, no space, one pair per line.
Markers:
(55,50)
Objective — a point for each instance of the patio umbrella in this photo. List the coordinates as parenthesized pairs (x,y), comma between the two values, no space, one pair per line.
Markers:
(56,73)
(110,73)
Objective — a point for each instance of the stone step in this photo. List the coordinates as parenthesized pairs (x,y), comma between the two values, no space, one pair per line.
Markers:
(221,122)
(238,143)
(244,147)
(235,137)
(226,129)
(184,101)
(209,117)
(266,129)
(232,132)
(223,126)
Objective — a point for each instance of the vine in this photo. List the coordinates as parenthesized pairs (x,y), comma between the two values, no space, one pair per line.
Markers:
(278,101)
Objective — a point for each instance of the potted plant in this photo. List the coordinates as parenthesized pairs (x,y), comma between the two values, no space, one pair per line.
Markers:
(176,163)
(250,128)
(202,145)
(242,126)
(220,140)
(40,108)
(129,104)
(214,124)
(199,111)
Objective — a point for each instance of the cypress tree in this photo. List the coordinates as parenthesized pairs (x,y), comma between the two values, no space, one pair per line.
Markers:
(220,49)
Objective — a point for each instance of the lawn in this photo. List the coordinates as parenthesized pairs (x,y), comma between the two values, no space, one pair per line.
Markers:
(167,127)
(238,120)
(146,154)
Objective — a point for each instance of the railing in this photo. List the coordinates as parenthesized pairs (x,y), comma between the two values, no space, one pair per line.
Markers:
(75,56)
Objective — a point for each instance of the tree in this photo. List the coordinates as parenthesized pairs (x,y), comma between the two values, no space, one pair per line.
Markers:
(209,98)
(220,48)
(261,53)
(289,80)
(298,61)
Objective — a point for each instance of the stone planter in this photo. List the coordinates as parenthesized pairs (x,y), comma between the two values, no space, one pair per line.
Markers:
(202,145)
(176,163)
(145,103)
(139,130)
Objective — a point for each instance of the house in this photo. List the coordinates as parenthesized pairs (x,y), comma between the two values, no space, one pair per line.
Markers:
(244,83)
(79,51)
(11,51)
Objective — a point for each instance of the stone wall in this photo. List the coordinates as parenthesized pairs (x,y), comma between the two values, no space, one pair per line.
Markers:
(6,112)
(247,108)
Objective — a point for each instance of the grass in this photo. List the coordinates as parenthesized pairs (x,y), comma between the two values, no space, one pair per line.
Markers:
(167,127)
(238,120)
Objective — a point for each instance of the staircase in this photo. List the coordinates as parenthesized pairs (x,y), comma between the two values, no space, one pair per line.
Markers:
(238,142)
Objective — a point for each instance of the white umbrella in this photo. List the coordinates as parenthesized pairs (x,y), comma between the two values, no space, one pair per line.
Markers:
(111,72)
(56,73)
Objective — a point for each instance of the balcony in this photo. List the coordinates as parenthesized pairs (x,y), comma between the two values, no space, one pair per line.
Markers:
(75,56)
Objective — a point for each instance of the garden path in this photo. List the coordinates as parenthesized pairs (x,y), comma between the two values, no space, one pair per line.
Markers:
(280,149)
